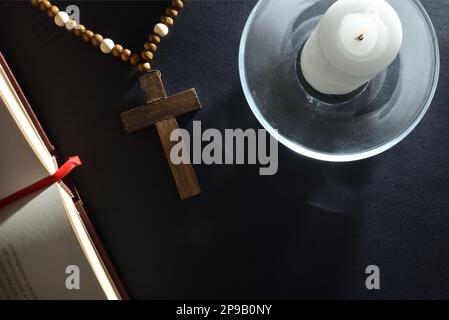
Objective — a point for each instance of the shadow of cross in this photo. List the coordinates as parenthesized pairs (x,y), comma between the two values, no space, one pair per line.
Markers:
(162,111)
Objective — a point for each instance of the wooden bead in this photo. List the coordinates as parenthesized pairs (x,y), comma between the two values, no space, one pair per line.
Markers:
(35,2)
(79,30)
(167,21)
(87,35)
(70,25)
(134,59)
(177,4)
(117,50)
(171,12)
(96,40)
(161,30)
(52,11)
(147,55)
(144,67)
(154,38)
(150,46)
(61,18)
(106,45)
(44,5)
(125,55)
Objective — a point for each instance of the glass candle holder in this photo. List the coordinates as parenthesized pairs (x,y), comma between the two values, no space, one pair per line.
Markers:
(359,125)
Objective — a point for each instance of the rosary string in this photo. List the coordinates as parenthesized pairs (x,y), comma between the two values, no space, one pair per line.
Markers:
(107,45)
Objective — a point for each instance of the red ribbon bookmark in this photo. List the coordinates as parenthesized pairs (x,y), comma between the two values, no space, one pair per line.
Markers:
(64,170)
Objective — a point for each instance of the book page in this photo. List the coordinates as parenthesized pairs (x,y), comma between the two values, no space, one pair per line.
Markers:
(20,134)
(19,165)
(38,247)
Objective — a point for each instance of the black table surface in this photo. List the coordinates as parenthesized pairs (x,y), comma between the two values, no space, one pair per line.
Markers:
(308,232)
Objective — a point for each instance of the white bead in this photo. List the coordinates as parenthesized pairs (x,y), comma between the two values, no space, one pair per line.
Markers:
(69,25)
(61,18)
(161,30)
(106,45)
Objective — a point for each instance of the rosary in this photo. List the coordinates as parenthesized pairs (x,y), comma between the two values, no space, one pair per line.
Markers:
(160,109)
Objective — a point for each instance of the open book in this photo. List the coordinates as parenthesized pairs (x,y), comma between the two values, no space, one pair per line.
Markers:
(47,249)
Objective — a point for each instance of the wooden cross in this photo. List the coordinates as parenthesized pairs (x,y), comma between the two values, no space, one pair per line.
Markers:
(162,111)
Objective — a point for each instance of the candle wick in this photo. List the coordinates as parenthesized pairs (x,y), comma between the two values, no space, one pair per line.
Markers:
(360,37)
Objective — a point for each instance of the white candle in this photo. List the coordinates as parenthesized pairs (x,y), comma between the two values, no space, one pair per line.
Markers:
(354,41)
